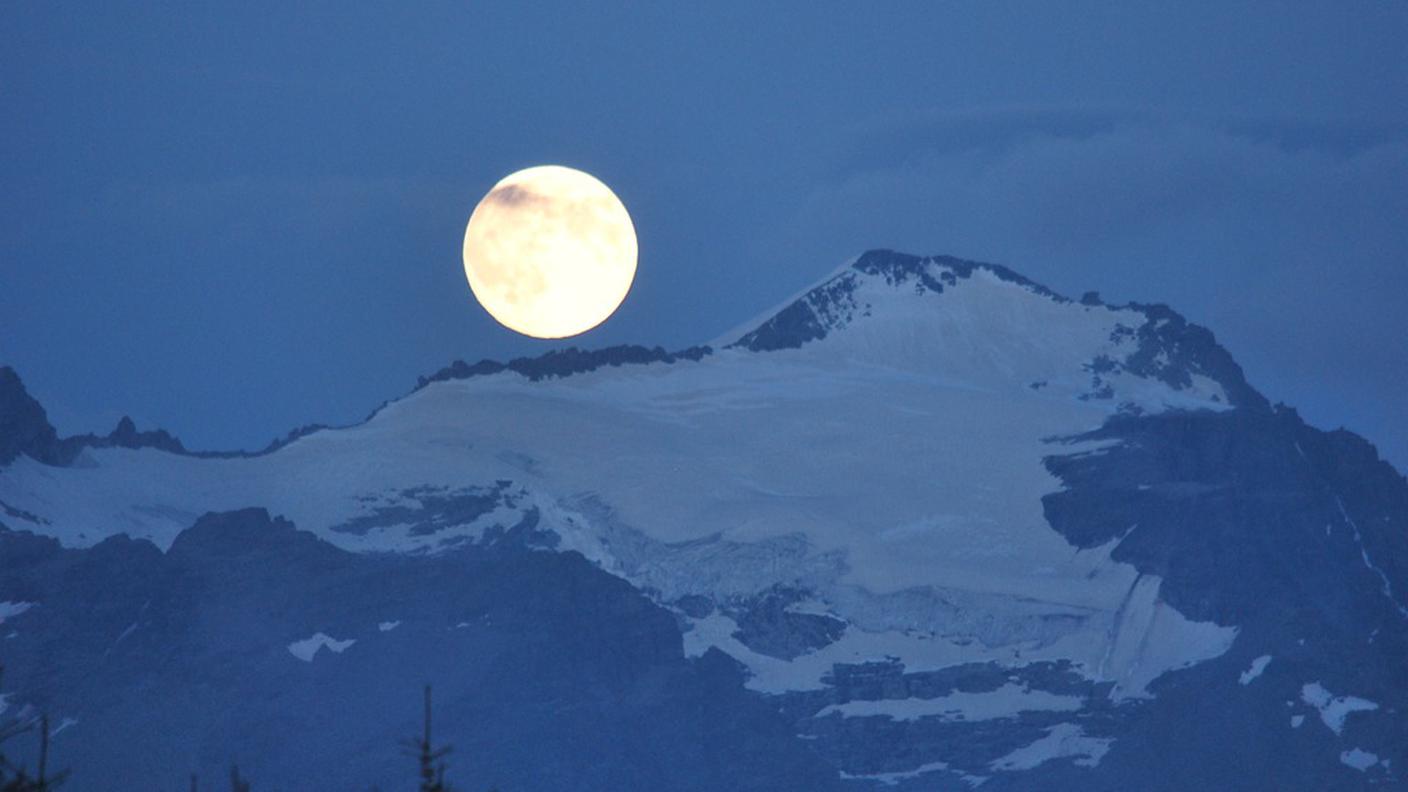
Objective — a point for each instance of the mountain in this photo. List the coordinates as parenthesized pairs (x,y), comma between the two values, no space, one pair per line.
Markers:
(927,526)
(25,430)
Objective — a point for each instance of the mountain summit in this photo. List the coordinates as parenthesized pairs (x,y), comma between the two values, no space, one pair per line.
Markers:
(931,524)
(996,324)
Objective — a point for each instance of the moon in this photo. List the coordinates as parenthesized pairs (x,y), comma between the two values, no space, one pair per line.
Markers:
(550,252)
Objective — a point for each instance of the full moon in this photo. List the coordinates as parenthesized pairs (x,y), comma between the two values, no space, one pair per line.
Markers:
(550,252)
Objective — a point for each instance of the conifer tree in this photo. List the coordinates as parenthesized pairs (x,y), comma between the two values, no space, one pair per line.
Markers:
(429,758)
(237,783)
(17,779)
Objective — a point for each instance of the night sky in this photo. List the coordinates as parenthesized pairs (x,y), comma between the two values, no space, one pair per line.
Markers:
(233,220)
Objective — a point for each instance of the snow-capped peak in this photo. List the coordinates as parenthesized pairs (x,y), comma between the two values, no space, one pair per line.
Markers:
(985,326)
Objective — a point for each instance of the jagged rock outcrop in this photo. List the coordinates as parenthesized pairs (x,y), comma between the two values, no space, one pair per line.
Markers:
(24,426)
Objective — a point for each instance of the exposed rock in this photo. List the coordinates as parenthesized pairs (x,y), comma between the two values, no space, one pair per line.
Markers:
(548,673)
(24,426)
(767,626)
(566,362)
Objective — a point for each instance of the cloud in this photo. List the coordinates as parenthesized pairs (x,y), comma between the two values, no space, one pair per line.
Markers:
(1286,239)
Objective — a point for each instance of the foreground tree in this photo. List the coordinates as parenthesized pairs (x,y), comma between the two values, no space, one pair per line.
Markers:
(429,758)
(16,779)
(432,768)
(237,782)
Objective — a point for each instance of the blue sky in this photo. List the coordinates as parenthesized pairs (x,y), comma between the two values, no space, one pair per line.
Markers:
(230,221)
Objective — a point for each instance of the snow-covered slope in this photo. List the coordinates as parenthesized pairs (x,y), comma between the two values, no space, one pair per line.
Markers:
(857,478)
(910,378)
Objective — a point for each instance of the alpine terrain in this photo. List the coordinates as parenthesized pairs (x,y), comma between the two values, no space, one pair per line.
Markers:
(928,526)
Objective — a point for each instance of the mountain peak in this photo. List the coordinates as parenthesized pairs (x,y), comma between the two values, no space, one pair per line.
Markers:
(956,318)
(824,306)
(126,435)
(24,426)
(242,533)
(25,430)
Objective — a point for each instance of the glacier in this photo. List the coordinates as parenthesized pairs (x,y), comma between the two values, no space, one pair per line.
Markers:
(873,482)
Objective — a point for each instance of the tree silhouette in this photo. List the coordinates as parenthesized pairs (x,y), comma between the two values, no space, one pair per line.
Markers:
(429,759)
(432,769)
(237,783)
(16,779)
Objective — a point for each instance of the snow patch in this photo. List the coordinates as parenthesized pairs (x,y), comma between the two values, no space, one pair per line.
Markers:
(1385,585)
(1131,646)
(9,609)
(811,608)
(307,648)
(1359,759)
(1258,666)
(1296,721)
(131,628)
(1061,741)
(388,626)
(1007,701)
(1334,710)
(1149,638)
(891,779)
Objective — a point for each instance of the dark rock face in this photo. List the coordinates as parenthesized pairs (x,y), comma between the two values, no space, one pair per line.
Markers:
(766,626)
(125,435)
(1202,497)
(548,673)
(1171,349)
(566,362)
(1297,536)
(876,746)
(813,315)
(24,426)
(434,508)
(806,319)
(25,429)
